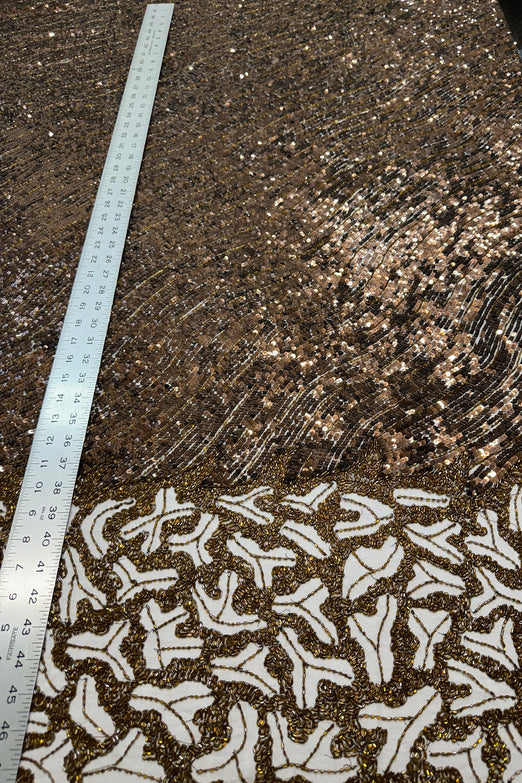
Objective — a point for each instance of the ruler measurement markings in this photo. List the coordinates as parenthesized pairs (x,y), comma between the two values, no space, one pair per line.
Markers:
(33,551)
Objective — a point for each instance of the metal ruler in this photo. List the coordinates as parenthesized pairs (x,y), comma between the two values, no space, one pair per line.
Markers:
(32,556)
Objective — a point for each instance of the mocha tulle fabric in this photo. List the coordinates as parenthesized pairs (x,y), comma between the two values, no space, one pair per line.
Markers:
(295,547)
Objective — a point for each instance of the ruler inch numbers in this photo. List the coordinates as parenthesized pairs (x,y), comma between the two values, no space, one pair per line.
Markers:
(33,551)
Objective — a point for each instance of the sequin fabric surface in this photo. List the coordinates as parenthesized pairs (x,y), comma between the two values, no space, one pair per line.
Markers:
(295,548)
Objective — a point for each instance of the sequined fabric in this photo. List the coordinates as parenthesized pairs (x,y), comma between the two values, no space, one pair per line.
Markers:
(295,548)
(324,248)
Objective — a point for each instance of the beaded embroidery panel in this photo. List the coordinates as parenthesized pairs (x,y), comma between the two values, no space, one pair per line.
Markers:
(335,630)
